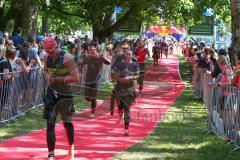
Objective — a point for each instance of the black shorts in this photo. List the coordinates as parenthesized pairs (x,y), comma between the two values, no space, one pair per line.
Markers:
(59,104)
(127,100)
(65,107)
(91,90)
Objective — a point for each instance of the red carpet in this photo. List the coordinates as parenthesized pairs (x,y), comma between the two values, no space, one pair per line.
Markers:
(101,138)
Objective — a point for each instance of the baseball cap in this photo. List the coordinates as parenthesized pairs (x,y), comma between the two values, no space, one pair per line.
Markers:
(40,38)
(50,44)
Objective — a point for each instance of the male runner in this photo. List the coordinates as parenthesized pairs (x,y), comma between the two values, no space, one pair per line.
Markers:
(124,73)
(94,62)
(60,70)
(141,54)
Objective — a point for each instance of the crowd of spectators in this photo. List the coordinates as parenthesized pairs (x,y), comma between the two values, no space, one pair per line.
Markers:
(218,64)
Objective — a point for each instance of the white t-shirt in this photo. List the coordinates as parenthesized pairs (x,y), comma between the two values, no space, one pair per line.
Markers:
(16,67)
(2,51)
(42,54)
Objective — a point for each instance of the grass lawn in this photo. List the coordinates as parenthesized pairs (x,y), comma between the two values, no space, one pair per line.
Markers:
(179,137)
(33,120)
(176,138)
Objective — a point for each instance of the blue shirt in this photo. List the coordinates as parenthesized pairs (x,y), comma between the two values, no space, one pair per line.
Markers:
(33,55)
(18,40)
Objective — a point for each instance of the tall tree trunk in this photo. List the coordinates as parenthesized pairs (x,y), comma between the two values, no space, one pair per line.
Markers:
(26,16)
(6,14)
(110,25)
(2,23)
(235,13)
(96,33)
(45,25)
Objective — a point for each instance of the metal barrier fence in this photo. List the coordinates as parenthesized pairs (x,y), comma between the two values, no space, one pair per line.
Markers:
(105,73)
(21,93)
(223,105)
(25,91)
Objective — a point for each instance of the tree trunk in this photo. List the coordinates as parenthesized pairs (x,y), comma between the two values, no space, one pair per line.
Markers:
(18,16)
(235,14)
(6,16)
(45,25)
(26,16)
(109,27)
(96,34)
(2,23)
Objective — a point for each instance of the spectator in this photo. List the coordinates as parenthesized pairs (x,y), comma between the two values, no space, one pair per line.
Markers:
(103,46)
(215,70)
(85,49)
(2,48)
(20,63)
(236,78)
(226,71)
(18,39)
(34,59)
(6,77)
(206,59)
(224,53)
(41,52)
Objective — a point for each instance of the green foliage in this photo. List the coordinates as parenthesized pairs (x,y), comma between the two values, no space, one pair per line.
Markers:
(77,14)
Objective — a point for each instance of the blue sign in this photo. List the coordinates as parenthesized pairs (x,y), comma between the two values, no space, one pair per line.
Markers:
(119,9)
(208,13)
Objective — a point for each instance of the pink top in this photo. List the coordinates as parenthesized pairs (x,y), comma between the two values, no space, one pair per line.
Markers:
(226,80)
(238,82)
(225,74)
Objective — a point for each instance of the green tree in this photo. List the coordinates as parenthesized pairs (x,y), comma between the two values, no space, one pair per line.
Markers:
(7,9)
(24,13)
(235,17)
(25,16)
(98,13)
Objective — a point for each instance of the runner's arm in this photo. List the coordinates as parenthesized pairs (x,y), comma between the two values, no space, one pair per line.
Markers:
(74,75)
(45,68)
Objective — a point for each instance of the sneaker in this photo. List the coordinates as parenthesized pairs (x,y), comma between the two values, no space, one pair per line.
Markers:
(126,132)
(92,116)
(51,157)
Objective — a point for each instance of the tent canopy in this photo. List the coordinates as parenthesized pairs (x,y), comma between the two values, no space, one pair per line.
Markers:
(162,30)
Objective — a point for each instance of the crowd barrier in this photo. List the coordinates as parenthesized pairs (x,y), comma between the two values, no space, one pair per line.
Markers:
(25,91)
(21,93)
(223,105)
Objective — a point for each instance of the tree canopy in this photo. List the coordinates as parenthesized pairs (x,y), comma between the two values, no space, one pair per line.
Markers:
(65,15)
